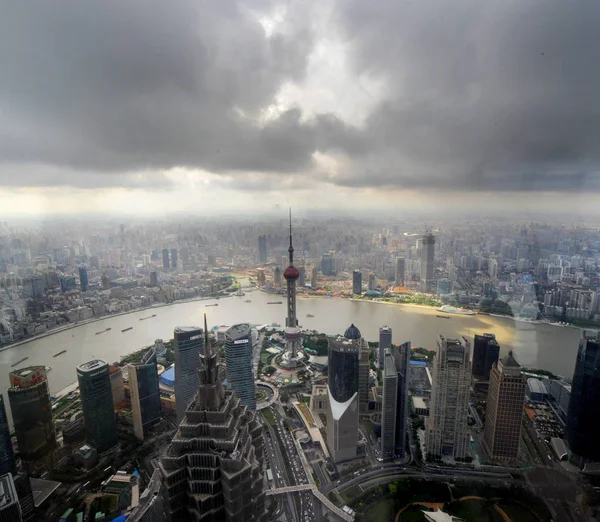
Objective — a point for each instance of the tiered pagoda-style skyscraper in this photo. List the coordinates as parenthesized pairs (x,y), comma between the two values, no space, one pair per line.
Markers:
(212,470)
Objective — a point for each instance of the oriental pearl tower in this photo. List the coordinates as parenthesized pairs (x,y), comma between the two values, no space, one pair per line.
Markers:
(293,338)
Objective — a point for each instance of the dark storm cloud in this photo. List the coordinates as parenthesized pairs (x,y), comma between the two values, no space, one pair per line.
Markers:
(498,95)
(495,95)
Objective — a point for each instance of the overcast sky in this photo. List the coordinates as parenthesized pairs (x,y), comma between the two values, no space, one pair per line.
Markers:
(151,106)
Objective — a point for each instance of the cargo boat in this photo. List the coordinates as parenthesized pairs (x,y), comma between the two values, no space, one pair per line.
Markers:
(59,353)
(19,362)
(309,315)
(102,331)
(149,317)
(216,304)
(127,329)
(443,316)
(275,302)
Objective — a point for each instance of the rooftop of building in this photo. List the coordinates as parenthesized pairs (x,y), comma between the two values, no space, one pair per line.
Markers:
(187,329)
(389,365)
(238,331)
(352,332)
(26,372)
(8,493)
(92,365)
(343,344)
(509,361)
(536,386)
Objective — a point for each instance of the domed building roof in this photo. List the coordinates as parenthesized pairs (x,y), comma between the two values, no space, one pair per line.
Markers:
(352,332)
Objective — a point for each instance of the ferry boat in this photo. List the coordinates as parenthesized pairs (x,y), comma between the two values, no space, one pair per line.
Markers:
(309,315)
(149,317)
(216,304)
(102,331)
(59,353)
(19,362)
(247,301)
(443,316)
(275,302)
(453,310)
(127,329)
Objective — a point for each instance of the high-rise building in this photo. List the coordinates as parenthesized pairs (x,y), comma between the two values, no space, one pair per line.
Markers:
(7,455)
(293,335)
(427,261)
(327,265)
(97,404)
(447,432)
(117,386)
(504,411)
(343,387)
(352,332)
(10,510)
(400,271)
(165,257)
(301,275)
(153,278)
(25,495)
(485,353)
(145,393)
(313,277)
(444,286)
(174,257)
(83,278)
(372,281)
(151,505)
(277,276)
(189,345)
(105,280)
(31,408)
(238,358)
(385,343)
(262,248)
(357,282)
(583,421)
(394,401)
(212,470)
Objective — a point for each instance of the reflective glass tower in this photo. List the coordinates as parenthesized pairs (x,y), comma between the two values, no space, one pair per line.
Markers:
(583,421)
(97,403)
(238,357)
(189,344)
(427,261)
(485,354)
(262,248)
(145,393)
(7,455)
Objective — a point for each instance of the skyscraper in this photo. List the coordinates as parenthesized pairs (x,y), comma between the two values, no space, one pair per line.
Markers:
(357,282)
(485,353)
(189,344)
(97,404)
(427,261)
(31,408)
(151,506)
(385,343)
(447,432)
(165,257)
(238,358)
(277,276)
(327,265)
(145,393)
(352,332)
(372,281)
(10,510)
(400,271)
(293,336)
(583,421)
(504,411)
(83,278)
(262,248)
(301,275)
(174,257)
(343,387)
(313,277)
(7,455)
(395,397)
(153,278)
(212,470)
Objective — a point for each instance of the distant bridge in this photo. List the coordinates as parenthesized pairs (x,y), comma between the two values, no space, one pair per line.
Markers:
(309,487)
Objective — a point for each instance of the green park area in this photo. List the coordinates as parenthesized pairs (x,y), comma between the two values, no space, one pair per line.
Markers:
(473,502)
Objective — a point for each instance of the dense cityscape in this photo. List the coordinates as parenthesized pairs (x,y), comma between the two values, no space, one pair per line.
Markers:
(270,422)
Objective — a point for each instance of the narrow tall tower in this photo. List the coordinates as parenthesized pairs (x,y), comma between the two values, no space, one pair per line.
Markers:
(293,337)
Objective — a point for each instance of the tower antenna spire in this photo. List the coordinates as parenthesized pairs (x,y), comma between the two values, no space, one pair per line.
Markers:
(291,248)
(206,341)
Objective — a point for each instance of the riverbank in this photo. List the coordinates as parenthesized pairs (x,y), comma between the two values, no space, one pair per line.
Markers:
(70,326)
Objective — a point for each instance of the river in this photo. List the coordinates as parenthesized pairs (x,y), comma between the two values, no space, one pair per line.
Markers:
(535,345)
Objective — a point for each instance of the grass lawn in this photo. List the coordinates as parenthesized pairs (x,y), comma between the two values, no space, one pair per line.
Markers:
(474,511)
(351,493)
(380,511)
(517,512)
(413,514)
(269,417)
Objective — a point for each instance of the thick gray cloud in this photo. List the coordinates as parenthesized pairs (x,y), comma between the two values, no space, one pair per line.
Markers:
(482,95)
(495,95)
